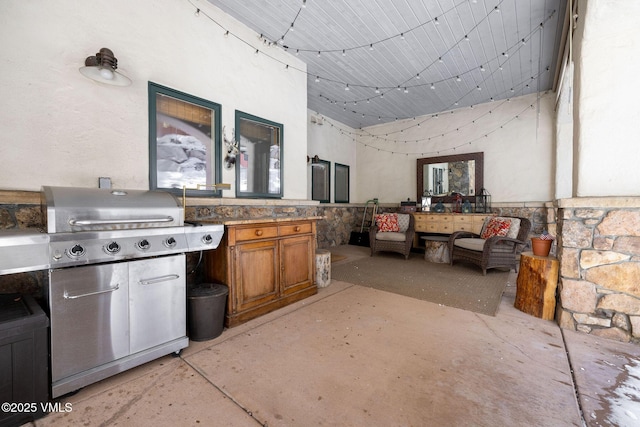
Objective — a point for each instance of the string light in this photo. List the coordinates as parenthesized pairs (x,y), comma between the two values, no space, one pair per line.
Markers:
(371,47)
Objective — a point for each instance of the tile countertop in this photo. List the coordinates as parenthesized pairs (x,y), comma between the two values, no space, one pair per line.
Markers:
(242,221)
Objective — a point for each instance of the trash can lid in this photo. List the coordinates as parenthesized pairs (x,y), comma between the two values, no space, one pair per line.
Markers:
(208,290)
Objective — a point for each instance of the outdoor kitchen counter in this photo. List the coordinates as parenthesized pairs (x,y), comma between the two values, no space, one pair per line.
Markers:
(241,221)
(267,263)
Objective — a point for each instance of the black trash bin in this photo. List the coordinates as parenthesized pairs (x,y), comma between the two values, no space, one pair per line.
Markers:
(206,309)
(24,359)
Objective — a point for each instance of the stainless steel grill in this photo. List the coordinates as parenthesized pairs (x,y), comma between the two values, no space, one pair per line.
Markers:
(117,287)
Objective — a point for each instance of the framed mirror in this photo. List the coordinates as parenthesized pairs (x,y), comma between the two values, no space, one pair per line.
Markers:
(341,191)
(184,142)
(259,161)
(321,181)
(444,176)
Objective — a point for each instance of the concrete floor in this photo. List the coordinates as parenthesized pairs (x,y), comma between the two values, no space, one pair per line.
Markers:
(356,356)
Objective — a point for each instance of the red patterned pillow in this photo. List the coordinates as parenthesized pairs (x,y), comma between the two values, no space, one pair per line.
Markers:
(496,227)
(387,222)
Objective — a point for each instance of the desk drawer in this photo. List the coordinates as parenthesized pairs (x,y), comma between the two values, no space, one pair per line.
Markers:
(255,233)
(293,229)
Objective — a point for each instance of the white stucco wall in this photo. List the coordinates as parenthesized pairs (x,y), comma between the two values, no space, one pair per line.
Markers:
(606,132)
(59,128)
(333,141)
(518,152)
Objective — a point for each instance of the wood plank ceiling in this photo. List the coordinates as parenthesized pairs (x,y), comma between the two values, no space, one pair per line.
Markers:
(375,61)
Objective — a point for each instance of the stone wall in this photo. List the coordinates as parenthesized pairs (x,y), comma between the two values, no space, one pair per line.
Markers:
(339,220)
(599,253)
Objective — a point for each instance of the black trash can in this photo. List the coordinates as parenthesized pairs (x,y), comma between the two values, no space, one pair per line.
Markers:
(206,309)
(24,356)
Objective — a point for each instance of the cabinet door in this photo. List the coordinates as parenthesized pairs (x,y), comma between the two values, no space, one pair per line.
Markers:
(157,301)
(256,274)
(296,263)
(89,317)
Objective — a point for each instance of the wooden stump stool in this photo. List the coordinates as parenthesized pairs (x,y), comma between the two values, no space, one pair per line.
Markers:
(536,285)
(436,249)
(323,268)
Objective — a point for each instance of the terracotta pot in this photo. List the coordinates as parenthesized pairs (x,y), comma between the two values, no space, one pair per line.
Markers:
(540,247)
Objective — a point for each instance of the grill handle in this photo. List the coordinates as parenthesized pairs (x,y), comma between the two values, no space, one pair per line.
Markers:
(159,279)
(119,221)
(67,296)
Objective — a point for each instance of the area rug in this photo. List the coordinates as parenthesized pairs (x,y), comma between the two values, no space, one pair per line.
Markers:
(461,285)
(337,257)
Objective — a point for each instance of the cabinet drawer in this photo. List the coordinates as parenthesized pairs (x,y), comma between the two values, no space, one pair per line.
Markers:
(444,228)
(422,226)
(433,227)
(255,233)
(293,229)
(461,219)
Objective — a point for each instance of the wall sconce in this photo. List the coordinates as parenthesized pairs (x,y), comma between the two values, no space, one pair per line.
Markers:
(315,162)
(102,68)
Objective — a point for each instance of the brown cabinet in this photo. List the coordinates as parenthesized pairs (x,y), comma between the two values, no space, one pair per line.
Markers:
(265,264)
(446,223)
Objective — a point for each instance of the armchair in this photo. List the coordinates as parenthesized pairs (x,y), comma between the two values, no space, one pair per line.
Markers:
(499,243)
(392,233)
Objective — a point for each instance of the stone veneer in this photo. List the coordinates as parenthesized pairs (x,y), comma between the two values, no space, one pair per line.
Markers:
(599,253)
(334,230)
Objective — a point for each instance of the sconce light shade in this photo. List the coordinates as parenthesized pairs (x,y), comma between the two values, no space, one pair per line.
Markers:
(102,69)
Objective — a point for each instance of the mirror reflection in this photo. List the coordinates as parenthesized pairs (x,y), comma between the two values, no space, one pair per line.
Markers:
(446,179)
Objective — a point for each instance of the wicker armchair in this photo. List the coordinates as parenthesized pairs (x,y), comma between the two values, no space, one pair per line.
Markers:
(488,253)
(400,242)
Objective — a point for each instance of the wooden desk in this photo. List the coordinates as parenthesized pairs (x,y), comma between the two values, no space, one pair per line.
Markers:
(536,285)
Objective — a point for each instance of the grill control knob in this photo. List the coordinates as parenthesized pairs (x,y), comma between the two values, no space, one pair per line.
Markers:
(112,248)
(207,239)
(170,242)
(76,251)
(143,244)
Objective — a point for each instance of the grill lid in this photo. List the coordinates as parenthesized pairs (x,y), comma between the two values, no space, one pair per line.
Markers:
(71,209)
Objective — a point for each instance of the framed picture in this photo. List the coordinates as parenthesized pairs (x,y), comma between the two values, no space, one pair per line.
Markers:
(184,143)
(341,191)
(321,181)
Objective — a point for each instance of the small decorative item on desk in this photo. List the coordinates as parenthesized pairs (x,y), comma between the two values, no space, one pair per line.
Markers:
(466,207)
(542,245)
(439,207)
(483,201)
(457,207)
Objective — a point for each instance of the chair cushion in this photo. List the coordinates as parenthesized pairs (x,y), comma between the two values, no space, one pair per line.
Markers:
(498,226)
(403,222)
(391,236)
(473,244)
(387,222)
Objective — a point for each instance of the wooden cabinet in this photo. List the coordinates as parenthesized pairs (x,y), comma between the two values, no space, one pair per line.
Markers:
(266,264)
(447,223)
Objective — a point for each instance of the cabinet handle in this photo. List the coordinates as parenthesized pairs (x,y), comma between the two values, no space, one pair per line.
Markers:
(67,295)
(296,228)
(258,232)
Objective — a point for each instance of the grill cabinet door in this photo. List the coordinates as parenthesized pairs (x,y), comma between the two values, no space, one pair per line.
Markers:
(89,317)
(158,310)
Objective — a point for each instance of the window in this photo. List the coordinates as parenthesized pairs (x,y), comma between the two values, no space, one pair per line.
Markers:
(341,192)
(321,181)
(184,142)
(259,161)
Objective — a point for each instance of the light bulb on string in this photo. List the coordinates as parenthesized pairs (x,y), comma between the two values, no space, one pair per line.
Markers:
(197,14)
(317,79)
(458,79)
(377,90)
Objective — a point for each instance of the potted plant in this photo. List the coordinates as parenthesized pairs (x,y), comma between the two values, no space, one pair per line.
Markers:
(542,245)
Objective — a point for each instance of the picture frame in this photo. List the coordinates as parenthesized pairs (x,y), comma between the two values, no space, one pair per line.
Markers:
(321,181)
(341,179)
